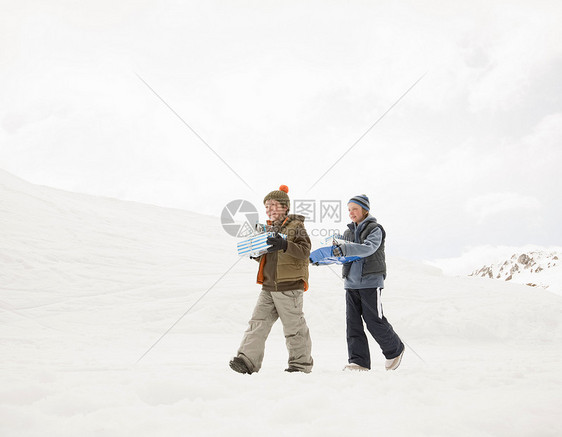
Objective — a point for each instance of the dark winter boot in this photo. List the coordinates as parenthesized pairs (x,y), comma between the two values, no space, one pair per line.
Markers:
(239,365)
(292,369)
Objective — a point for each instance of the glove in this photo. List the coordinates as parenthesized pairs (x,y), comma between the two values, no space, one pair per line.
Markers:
(318,255)
(337,250)
(277,243)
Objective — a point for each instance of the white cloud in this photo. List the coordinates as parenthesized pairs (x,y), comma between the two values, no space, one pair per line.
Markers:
(519,42)
(546,137)
(488,205)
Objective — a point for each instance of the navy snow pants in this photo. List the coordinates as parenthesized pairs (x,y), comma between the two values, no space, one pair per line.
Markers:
(365,304)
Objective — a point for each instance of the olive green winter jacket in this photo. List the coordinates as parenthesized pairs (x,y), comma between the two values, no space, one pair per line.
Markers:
(288,269)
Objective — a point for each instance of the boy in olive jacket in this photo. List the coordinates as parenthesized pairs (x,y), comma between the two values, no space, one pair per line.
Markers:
(283,274)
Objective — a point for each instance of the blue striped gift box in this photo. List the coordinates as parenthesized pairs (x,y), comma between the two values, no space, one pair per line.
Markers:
(256,245)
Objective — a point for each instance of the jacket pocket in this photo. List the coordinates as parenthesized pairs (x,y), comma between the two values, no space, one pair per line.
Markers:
(293,295)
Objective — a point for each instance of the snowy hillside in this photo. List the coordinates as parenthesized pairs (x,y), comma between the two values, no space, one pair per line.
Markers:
(88,285)
(534,268)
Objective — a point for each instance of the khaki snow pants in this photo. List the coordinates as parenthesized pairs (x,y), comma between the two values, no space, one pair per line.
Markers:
(286,305)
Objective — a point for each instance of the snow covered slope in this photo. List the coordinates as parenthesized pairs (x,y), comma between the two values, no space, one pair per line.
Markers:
(88,285)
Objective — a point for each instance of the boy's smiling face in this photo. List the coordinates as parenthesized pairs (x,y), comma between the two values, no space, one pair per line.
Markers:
(356,213)
(275,210)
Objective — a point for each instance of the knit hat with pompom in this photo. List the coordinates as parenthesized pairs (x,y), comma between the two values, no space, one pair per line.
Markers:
(280,195)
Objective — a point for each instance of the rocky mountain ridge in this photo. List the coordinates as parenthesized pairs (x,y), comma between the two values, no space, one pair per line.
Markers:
(533,268)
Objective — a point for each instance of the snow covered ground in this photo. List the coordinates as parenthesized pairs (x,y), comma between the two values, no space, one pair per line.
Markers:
(88,285)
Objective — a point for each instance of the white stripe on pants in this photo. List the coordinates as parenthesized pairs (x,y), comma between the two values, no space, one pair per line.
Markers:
(379,302)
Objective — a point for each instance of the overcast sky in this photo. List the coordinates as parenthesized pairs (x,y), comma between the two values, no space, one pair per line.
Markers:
(279,91)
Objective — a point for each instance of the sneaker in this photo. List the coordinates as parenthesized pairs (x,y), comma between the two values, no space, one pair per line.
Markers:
(393,363)
(239,365)
(353,366)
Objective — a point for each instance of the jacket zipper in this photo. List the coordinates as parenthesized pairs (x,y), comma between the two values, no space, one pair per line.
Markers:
(277,255)
(276,267)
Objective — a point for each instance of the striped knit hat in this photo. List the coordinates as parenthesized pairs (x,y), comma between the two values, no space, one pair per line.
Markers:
(362,200)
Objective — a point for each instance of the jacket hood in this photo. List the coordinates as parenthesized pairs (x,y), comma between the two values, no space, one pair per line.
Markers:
(300,218)
(368,219)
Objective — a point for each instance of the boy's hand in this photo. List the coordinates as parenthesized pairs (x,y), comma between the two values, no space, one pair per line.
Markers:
(337,250)
(277,243)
